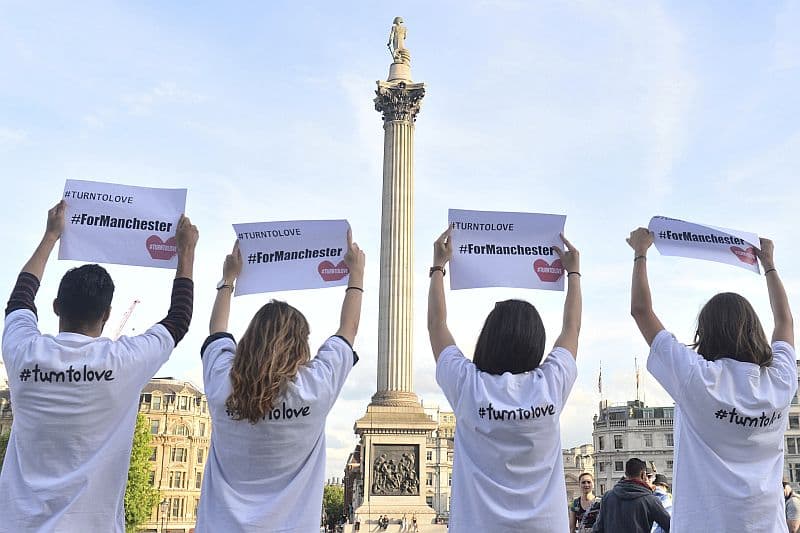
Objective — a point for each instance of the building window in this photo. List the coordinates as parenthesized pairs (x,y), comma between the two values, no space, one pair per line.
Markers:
(177,507)
(154,427)
(670,439)
(199,456)
(177,480)
(648,440)
(601,442)
(153,453)
(429,480)
(669,464)
(617,442)
(792,445)
(182,430)
(601,467)
(183,403)
(602,488)
(429,456)
(429,500)
(794,399)
(794,422)
(618,466)
(179,454)
(156,403)
(794,472)
(450,479)
(152,478)
(202,429)
(198,481)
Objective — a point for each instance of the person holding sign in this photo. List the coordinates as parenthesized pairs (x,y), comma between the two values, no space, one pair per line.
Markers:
(76,393)
(732,390)
(269,400)
(508,472)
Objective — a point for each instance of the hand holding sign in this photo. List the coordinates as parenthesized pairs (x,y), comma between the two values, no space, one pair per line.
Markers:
(765,254)
(443,248)
(55,220)
(232,266)
(640,240)
(570,257)
(355,260)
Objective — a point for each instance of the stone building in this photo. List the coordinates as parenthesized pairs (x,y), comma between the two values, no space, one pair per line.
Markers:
(576,461)
(5,411)
(180,424)
(791,462)
(633,429)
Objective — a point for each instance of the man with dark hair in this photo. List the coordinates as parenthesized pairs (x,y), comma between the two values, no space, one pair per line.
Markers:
(631,507)
(75,394)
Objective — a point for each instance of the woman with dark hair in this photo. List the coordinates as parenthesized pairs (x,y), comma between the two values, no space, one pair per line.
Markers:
(732,393)
(268,401)
(508,473)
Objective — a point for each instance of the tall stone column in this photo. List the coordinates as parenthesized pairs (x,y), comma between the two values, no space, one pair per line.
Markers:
(395,430)
(399,101)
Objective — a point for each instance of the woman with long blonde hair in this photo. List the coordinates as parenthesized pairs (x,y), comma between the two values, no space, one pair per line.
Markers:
(268,400)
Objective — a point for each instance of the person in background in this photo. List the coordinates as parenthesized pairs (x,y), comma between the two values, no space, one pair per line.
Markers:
(582,504)
(661,490)
(631,507)
(792,508)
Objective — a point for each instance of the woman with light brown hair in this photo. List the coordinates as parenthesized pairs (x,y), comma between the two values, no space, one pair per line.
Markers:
(732,390)
(581,505)
(268,400)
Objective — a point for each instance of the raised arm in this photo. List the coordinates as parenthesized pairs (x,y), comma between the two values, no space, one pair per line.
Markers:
(351,306)
(55,226)
(440,335)
(782,314)
(181,305)
(221,311)
(573,304)
(641,303)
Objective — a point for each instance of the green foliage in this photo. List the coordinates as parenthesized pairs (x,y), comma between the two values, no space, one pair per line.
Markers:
(3,446)
(140,497)
(333,503)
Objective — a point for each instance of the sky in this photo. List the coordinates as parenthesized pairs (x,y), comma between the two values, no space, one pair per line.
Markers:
(606,113)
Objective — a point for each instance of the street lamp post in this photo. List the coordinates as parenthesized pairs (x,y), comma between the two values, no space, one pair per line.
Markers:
(164,506)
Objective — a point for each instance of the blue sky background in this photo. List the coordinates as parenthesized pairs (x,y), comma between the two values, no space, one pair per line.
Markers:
(608,113)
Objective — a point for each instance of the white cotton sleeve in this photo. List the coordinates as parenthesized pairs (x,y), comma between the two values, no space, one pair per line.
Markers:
(784,360)
(561,371)
(331,366)
(453,370)
(20,330)
(671,363)
(142,355)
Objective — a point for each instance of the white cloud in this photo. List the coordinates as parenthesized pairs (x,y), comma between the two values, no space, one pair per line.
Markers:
(167,92)
(12,137)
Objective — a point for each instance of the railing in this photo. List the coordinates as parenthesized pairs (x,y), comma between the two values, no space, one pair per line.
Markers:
(618,423)
(666,422)
(647,422)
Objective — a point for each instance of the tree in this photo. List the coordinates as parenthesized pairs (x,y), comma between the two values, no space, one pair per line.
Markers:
(333,503)
(140,497)
(3,445)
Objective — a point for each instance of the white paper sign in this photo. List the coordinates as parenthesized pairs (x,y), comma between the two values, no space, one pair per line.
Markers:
(121,224)
(686,239)
(291,255)
(497,249)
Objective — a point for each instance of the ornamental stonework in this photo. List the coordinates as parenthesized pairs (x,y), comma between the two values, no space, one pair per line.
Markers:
(399,101)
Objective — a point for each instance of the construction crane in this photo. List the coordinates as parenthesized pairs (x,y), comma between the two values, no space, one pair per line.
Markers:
(125,318)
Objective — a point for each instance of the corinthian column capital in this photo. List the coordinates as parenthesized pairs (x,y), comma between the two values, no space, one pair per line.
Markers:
(399,100)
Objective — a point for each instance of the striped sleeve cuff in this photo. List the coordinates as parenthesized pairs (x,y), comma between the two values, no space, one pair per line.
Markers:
(22,297)
(180,310)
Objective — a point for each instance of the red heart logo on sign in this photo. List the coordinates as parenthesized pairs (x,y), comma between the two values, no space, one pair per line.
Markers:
(548,272)
(748,255)
(163,251)
(330,272)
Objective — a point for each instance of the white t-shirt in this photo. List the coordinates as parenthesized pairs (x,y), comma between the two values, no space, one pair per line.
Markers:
(729,425)
(269,476)
(75,400)
(508,474)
